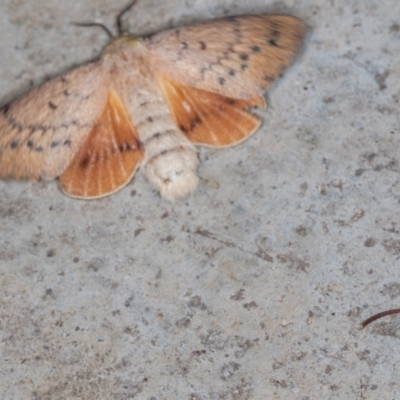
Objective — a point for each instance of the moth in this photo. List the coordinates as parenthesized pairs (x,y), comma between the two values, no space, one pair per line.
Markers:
(145,103)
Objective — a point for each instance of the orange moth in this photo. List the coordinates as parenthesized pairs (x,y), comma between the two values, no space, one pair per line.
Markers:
(145,103)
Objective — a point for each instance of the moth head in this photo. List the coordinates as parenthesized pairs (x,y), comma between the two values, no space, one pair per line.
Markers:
(120,43)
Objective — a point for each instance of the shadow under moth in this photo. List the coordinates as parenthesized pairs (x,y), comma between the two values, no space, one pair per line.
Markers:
(145,103)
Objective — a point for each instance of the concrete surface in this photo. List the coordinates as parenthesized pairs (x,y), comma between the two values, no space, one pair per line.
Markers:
(255,286)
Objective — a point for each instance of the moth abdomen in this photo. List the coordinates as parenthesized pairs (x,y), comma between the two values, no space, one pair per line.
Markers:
(170,163)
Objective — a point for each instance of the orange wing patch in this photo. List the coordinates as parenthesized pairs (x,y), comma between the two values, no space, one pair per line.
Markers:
(209,118)
(108,159)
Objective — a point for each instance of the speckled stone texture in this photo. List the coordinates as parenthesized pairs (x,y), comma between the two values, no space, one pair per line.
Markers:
(255,286)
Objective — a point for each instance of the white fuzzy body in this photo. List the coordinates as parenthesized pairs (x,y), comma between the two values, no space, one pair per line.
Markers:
(170,160)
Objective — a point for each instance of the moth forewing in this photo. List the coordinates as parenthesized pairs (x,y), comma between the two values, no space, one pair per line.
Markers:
(237,57)
(41,131)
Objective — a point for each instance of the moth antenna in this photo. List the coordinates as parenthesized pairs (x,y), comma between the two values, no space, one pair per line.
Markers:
(121,14)
(110,35)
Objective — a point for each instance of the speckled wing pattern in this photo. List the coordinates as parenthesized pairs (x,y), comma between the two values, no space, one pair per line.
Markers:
(237,57)
(41,131)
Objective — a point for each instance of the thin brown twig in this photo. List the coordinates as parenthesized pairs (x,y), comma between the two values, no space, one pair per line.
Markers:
(379,315)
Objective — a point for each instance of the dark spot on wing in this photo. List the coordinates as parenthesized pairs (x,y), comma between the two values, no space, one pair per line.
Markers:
(184,45)
(30,144)
(272,42)
(244,56)
(243,67)
(67,93)
(195,121)
(67,143)
(268,78)
(14,144)
(202,45)
(14,124)
(52,105)
(85,162)
(183,128)
(149,119)
(54,144)
(255,49)
(221,81)
(39,149)
(4,110)
(231,72)
(275,33)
